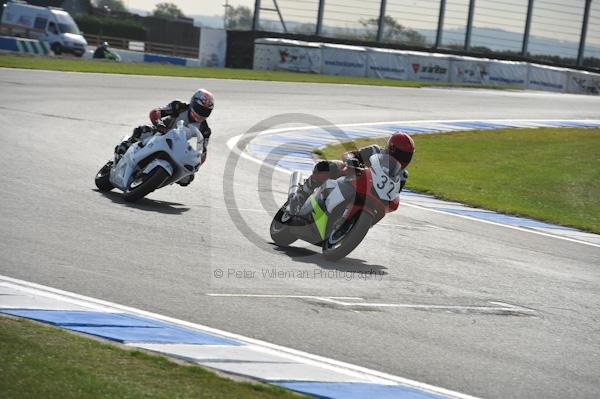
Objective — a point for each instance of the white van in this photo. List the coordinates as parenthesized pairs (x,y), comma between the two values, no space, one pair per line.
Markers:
(52,25)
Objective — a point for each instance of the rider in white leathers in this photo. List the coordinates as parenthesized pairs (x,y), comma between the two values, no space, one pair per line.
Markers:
(165,118)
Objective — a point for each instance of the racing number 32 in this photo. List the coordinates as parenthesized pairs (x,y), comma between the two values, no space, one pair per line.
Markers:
(381,184)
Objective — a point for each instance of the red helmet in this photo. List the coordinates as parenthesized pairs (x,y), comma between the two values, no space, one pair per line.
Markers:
(201,105)
(401,147)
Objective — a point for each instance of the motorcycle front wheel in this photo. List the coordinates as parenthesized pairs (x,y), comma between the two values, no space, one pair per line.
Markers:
(280,232)
(144,184)
(346,238)
(102,179)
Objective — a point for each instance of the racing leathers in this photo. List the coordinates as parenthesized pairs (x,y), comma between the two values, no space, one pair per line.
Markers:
(324,170)
(164,119)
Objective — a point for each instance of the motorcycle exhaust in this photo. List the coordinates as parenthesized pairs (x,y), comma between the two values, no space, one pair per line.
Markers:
(295,180)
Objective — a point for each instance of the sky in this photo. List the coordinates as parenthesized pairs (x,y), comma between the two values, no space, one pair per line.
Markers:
(189,7)
(558,19)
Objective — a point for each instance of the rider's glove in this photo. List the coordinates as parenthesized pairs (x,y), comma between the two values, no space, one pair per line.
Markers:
(366,152)
(352,162)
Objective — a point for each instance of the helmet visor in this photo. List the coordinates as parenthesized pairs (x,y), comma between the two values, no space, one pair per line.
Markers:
(200,110)
(404,157)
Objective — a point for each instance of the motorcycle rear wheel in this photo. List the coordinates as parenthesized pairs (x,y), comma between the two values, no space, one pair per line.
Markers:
(280,232)
(346,238)
(145,184)
(102,179)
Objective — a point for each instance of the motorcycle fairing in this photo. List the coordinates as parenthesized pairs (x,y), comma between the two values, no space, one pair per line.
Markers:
(182,157)
(322,210)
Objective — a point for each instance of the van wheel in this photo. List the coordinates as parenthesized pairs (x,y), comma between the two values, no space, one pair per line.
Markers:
(56,48)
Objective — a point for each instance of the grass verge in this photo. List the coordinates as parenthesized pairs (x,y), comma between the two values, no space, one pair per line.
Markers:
(40,361)
(154,69)
(550,174)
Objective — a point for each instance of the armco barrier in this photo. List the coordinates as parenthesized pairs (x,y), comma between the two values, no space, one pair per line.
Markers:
(137,56)
(294,55)
(24,46)
(29,46)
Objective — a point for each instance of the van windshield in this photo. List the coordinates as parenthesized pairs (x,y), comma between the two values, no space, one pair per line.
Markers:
(66,23)
(69,28)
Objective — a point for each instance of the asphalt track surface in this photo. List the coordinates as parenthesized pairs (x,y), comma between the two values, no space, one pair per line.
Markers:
(162,254)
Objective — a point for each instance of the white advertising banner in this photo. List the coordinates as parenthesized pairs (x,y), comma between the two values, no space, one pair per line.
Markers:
(583,83)
(428,67)
(470,70)
(344,60)
(289,55)
(508,73)
(547,78)
(213,47)
(387,64)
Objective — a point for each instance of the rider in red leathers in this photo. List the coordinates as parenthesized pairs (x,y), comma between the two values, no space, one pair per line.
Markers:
(400,146)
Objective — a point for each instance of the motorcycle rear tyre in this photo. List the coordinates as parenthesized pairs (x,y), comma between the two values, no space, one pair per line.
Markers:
(280,232)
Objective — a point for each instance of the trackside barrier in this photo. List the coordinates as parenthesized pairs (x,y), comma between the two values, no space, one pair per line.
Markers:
(331,59)
(136,56)
(24,46)
(36,47)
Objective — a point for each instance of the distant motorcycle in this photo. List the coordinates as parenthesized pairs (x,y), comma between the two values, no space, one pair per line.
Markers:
(338,215)
(112,56)
(154,162)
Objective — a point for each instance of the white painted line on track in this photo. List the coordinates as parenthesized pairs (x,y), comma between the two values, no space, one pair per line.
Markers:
(541,233)
(500,306)
(292,354)
(320,297)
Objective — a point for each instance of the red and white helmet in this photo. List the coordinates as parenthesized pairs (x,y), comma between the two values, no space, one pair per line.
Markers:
(201,105)
(401,147)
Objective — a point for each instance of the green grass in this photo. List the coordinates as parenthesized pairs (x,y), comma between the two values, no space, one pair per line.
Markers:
(78,65)
(38,361)
(550,174)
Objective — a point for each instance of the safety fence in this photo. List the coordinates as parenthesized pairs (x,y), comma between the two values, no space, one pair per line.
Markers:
(333,59)
(116,42)
(563,32)
(148,47)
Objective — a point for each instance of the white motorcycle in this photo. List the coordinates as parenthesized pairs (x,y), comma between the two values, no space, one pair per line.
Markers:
(154,162)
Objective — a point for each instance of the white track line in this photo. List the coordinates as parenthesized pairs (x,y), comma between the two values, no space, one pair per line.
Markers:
(501,306)
(293,354)
(508,226)
(232,144)
(319,297)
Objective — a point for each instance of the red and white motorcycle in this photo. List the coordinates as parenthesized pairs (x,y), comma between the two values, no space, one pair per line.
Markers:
(338,215)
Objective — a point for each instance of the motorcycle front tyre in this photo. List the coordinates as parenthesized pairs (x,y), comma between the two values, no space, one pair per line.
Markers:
(150,182)
(102,179)
(350,239)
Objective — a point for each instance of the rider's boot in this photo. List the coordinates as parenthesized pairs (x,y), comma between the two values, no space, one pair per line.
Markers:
(298,199)
(121,149)
(136,136)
